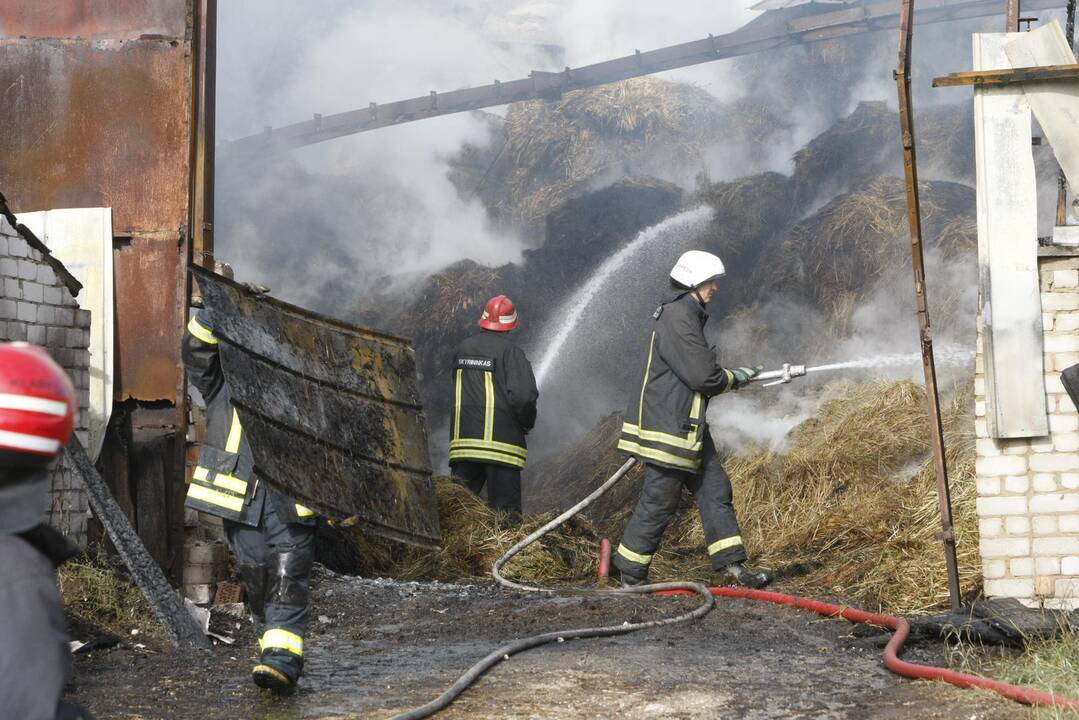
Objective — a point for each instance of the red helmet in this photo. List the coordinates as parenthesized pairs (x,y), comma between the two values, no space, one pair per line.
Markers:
(37,403)
(499,315)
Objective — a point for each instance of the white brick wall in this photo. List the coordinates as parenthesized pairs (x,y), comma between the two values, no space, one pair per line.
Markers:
(1028,490)
(37,307)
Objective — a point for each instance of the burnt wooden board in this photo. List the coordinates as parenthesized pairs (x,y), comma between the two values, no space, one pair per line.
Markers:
(332,411)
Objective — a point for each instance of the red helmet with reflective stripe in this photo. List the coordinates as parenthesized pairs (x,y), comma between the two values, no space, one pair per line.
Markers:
(37,402)
(499,315)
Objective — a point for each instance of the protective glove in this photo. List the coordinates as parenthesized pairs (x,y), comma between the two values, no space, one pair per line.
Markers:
(743,375)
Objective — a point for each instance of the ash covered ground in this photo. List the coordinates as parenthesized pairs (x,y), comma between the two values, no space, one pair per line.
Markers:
(381,647)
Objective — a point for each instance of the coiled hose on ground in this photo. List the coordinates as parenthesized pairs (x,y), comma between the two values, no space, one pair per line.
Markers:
(892,661)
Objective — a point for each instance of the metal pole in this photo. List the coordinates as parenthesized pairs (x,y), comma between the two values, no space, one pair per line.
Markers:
(202,230)
(1062,183)
(1013,16)
(914,216)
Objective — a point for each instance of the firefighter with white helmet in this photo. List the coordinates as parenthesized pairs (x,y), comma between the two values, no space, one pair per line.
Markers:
(37,414)
(494,407)
(665,429)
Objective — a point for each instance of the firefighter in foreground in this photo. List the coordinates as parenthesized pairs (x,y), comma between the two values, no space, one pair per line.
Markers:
(494,408)
(271,536)
(665,429)
(37,413)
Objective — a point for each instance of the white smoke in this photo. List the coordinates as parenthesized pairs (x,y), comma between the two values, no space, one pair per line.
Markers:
(379,205)
(883,325)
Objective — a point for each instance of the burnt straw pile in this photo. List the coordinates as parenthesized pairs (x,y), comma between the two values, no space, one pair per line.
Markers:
(848,510)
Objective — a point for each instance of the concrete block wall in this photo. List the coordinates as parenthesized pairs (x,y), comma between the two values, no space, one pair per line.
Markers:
(1028,489)
(36,306)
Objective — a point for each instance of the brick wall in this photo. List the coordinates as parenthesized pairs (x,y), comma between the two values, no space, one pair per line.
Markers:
(1028,489)
(37,306)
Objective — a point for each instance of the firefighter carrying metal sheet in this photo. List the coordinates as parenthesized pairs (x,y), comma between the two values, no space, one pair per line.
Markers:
(271,536)
(494,407)
(665,429)
(37,413)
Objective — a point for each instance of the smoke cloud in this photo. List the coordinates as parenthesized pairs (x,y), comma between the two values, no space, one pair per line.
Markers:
(325,224)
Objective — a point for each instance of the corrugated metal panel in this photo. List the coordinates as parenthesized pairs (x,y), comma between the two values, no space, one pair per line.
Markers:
(124,19)
(332,411)
(1010,287)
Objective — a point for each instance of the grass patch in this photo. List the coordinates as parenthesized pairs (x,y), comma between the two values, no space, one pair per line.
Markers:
(98,592)
(1050,665)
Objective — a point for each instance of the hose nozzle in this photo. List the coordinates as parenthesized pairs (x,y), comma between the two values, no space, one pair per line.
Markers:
(779,377)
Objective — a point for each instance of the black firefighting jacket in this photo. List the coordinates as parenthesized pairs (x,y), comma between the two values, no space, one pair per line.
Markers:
(223,483)
(494,403)
(665,423)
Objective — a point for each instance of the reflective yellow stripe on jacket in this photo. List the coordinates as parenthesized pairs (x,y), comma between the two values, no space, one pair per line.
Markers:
(487,448)
(200,331)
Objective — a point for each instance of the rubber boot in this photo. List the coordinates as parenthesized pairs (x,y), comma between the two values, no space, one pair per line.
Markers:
(739,574)
(278,672)
(615,575)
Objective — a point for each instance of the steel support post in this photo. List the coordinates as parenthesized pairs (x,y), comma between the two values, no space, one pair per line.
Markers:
(902,78)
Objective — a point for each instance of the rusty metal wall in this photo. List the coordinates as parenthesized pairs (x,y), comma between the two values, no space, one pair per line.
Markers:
(96,109)
(108,123)
(94,19)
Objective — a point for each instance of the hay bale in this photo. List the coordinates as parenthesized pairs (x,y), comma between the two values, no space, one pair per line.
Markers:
(853,500)
(834,257)
(474,536)
(560,480)
(552,151)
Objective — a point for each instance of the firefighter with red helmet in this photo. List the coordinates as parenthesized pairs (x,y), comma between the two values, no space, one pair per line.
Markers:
(494,407)
(271,536)
(37,414)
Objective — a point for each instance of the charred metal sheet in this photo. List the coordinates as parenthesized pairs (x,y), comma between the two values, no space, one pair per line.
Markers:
(149,291)
(332,411)
(97,124)
(94,19)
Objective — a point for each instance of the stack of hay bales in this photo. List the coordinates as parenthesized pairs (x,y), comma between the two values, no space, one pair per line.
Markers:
(834,258)
(547,152)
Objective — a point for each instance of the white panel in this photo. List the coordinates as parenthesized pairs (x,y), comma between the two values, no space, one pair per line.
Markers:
(1008,252)
(81,239)
(1055,104)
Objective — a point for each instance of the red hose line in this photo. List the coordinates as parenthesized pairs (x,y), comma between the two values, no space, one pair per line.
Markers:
(603,567)
(1025,695)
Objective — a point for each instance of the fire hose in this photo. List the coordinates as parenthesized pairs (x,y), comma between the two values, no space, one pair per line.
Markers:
(892,661)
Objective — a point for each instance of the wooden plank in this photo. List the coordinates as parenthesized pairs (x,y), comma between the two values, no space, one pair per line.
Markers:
(165,603)
(869,17)
(1009,76)
(1055,104)
(1010,293)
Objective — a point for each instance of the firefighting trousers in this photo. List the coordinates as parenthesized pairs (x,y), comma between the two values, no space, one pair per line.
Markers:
(503,483)
(275,559)
(658,502)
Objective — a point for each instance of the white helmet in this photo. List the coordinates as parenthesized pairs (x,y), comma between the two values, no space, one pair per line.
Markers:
(696,267)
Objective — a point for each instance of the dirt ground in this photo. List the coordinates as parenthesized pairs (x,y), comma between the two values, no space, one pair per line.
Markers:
(380,647)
